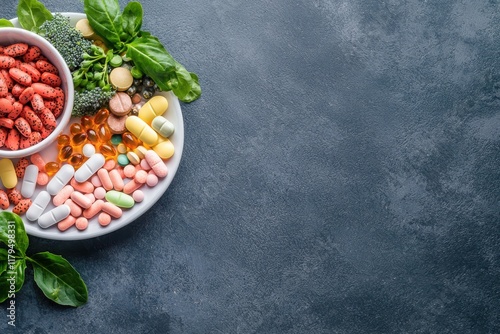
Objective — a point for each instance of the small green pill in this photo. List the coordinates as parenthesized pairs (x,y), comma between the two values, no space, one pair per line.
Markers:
(161,125)
(116,140)
(123,160)
(136,73)
(116,61)
(120,199)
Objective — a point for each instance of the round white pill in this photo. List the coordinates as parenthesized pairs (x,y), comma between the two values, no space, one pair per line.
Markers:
(88,150)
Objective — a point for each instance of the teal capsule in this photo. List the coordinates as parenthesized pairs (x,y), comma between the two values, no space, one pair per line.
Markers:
(120,199)
(162,125)
(123,160)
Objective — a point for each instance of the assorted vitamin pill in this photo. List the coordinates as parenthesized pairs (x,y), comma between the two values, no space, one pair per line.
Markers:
(104,219)
(120,104)
(60,179)
(8,173)
(51,168)
(156,106)
(38,206)
(120,199)
(22,206)
(54,216)
(29,181)
(163,126)
(138,196)
(89,168)
(141,130)
(88,150)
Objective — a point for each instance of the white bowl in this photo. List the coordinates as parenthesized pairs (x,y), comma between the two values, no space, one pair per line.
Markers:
(17,35)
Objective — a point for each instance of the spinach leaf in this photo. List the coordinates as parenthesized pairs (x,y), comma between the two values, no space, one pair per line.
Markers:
(20,239)
(187,89)
(58,280)
(132,19)
(150,56)
(31,14)
(12,275)
(6,23)
(3,260)
(105,18)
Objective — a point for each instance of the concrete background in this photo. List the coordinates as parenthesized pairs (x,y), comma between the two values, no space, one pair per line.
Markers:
(340,175)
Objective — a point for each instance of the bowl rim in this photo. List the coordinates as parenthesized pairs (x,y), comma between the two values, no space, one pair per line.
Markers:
(69,94)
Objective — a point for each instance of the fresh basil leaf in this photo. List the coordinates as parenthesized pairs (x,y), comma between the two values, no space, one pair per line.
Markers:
(6,23)
(132,19)
(3,260)
(187,89)
(13,275)
(150,56)
(58,280)
(105,18)
(31,14)
(20,240)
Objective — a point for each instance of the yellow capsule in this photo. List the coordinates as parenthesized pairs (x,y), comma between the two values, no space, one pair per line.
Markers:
(104,133)
(101,116)
(63,140)
(92,136)
(79,139)
(107,150)
(130,140)
(76,160)
(164,148)
(156,106)
(75,128)
(141,130)
(52,167)
(87,122)
(65,152)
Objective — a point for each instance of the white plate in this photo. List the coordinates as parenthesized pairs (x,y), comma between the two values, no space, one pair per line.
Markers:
(152,195)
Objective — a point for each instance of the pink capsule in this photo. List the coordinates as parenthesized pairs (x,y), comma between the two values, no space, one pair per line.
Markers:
(105,179)
(116,179)
(94,209)
(99,193)
(81,223)
(95,181)
(120,170)
(144,164)
(83,187)
(36,159)
(63,195)
(75,210)
(81,200)
(131,186)
(112,210)
(104,219)
(66,223)
(109,164)
(42,179)
(90,196)
(156,163)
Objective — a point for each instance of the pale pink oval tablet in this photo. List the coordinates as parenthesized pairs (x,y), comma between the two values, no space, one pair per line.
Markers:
(141,176)
(129,171)
(104,219)
(99,193)
(138,196)
(144,164)
(152,180)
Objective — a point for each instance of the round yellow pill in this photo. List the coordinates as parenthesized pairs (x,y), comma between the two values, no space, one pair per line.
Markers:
(121,78)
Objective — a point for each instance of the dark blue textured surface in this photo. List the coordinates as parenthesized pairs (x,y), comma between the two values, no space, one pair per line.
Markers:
(340,175)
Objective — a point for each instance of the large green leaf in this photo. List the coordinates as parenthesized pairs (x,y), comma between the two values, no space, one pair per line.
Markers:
(12,232)
(31,14)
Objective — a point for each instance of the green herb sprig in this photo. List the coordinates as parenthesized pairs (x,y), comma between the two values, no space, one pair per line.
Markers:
(54,275)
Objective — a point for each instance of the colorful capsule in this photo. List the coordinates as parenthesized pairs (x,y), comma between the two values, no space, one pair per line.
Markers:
(76,160)
(92,136)
(52,167)
(65,153)
(75,128)
(87,122)
(104,133)
(130,140)
(79,139)
(107,150)
(101,116)
(63,140)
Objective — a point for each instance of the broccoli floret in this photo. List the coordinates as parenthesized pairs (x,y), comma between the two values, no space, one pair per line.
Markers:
(66,39)
(88,102)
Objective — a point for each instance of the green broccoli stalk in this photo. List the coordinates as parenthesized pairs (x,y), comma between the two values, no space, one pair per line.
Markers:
(66,39)
(88,102)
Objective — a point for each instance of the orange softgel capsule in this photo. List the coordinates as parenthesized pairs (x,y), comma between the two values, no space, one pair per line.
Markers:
(101,116)
(51,168)
(130,140)
(65,153)
(76,160)
(79,139)
(63,140)
(104,133)
(107,150)
(87,122)
(92,136)
(75,128)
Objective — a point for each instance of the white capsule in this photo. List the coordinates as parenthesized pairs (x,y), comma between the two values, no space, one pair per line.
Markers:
(54,216)
(90,167)
(61,178)
(163,126)
(29,181)
(38,206)
(88,150)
